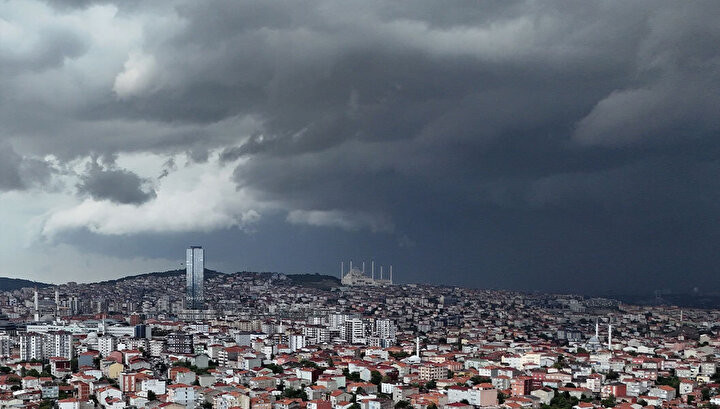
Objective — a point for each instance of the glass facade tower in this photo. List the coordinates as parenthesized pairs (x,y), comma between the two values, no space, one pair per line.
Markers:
(195,267)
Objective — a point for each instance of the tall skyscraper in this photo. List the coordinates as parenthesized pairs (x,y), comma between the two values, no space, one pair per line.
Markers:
(195,267)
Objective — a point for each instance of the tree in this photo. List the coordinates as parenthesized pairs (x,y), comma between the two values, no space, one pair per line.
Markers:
(399,355)
(308,364)
(33,372)
(705,394)
(479,379)
(609,402)
(274,367)
(673,381)
(375,377)
(151,396)
(293,393)
(402,404)
(562,401)
(206,405)
(432,406)
(612,376)
(46,404)
(351,376)
(642,402)
(431,385)
(501,397)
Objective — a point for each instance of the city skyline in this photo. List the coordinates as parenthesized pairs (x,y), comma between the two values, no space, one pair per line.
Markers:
(423,204)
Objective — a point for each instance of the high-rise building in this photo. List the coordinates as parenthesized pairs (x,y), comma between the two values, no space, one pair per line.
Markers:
(32,346)
(59,344)
(106,345)
(43,346)
(195,267)
(353,331)
(180,343)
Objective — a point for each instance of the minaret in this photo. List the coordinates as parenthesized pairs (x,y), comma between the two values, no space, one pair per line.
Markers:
(391,274)
(417,346)
(37,306)
(609,336)
(342,269)
(597,329)
(372,269)
(363,270)
(57,303)
(381,272)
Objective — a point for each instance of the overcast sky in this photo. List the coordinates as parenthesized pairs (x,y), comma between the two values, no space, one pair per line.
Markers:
(555,145)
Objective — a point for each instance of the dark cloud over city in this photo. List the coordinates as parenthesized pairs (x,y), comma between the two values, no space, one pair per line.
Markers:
(533,145)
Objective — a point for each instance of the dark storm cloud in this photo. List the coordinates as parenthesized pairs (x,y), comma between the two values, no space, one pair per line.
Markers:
(528,137)
(107,182)
(20,173)
(53,46)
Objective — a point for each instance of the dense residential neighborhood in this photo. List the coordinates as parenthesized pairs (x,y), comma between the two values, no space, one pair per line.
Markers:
(271,341)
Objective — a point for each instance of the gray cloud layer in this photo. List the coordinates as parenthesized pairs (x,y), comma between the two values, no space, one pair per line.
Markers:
(117,185)
(378,115)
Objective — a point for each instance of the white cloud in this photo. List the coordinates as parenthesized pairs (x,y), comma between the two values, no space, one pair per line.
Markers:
(137,77)
(201,197)
(342,219)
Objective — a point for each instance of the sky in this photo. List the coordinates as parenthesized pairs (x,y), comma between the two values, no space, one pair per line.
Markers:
(549,146)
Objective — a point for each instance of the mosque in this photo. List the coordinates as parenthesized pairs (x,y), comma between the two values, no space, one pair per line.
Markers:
(594,344)
(356,277)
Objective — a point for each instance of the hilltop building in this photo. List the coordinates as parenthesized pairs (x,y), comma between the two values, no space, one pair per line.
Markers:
(356,277)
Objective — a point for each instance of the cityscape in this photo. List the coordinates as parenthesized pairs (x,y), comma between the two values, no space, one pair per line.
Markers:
(200,338)
(359,204)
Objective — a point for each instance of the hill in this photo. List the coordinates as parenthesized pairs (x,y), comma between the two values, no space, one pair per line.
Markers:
(320,281)
(169,273)
(11,284)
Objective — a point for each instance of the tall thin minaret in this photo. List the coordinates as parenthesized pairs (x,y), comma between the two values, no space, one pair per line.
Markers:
(372,269)
(417,346)
(37,306)
(609,336)
(597,329)
(381,272)
(342,269)
(57,303)
(363,267)
(391,274)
